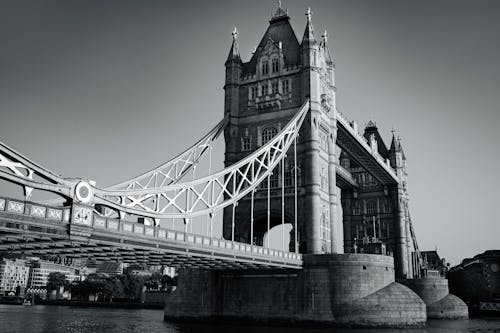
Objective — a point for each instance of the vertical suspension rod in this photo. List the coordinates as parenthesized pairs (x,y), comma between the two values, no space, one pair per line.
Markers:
(209,216)
(283,203)
(295,191)
(268,198)
(251,207)
(234,207)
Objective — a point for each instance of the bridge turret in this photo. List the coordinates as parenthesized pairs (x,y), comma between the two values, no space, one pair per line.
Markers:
(397,157)
(400,194)
(231,103)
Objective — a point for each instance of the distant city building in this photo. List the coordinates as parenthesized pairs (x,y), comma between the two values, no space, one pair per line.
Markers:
(434,262)
(112,268)
(40,271)
(13,274)
(477,281)
(170,271)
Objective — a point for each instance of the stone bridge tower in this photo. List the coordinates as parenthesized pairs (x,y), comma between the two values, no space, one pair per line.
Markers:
(261,95)
(377,214)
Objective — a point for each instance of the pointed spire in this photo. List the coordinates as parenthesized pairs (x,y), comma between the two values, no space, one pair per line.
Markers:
(234,54)
(308,33)
(308,15)
(325,37)
(395,143)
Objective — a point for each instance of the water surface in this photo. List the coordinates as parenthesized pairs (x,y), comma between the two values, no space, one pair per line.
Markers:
(64,319)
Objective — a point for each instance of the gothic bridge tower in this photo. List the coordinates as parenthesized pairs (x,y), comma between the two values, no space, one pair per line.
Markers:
(261,95)
(374,213)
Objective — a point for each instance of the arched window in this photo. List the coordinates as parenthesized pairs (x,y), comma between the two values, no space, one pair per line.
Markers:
(268,134)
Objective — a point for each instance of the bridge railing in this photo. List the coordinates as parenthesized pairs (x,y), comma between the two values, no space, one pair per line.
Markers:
(166,234)
(35,210)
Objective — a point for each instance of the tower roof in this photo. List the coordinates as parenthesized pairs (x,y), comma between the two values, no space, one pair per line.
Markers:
(371,129)
(279,30)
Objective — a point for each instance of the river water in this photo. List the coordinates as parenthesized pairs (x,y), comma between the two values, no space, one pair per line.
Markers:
(63,319)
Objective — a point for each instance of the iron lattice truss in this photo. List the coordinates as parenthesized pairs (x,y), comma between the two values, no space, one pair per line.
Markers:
(209,194)
(173,170)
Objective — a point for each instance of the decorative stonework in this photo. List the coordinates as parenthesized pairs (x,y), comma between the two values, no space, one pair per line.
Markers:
(84,192)
(82,215)
(2,204)
(326,102)
(324,178)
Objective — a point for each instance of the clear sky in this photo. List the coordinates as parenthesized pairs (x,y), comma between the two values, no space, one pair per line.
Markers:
(106,89)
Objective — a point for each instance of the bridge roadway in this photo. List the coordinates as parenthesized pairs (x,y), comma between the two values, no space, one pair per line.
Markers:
(34,229)
(355,145)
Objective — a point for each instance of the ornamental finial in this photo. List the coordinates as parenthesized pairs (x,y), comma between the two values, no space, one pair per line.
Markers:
(308,14)
(325,37)
(235,33)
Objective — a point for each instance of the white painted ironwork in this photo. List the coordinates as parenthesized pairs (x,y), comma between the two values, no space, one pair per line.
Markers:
(227,186)
(16,168)
(173,170)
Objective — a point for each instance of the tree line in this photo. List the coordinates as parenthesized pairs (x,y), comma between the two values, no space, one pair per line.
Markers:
(105,288)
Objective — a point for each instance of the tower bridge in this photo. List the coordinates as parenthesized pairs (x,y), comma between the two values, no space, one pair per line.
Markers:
(291,158)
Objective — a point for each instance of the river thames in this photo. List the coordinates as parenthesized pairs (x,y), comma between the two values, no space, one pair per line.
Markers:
(63,319)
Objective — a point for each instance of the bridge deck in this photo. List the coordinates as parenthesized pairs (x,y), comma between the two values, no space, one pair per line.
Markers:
(35,229)
(355,145)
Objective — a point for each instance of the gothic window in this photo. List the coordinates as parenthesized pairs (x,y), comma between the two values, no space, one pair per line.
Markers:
(265,67)
(275,65)
(370,181)
(268,134)
(274,87)
(253,92)
(246,143)
(344,162)
(387,206)
(286,86)
(356,209)
(371,207)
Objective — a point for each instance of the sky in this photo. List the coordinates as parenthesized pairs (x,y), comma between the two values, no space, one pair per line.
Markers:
(103,90)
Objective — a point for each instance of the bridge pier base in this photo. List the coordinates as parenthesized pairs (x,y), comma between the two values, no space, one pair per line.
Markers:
(355,290)
(439,302)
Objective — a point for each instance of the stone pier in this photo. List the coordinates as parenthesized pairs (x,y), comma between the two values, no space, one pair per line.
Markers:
(440,303)
(355,290)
